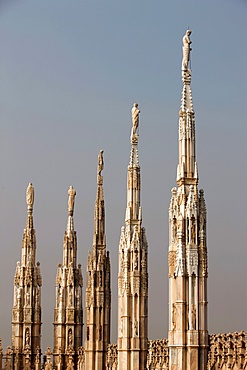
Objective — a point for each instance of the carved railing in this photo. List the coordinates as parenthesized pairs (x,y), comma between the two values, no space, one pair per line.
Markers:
(227,351)
(158,355)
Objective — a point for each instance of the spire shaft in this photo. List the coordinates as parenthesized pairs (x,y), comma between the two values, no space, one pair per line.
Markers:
(187,169)
(98,290)
(187,244)
(26,313)
(133,275)
(68,312)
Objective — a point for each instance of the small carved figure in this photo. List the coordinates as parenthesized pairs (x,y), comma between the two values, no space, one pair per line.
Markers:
(28,297)
(174,230)
(48,365)
(193,231)
(71,200)
(18,293)
(17,273)
(70,365)
(174,316)
(36,296)
(27,337)
(100,162)
(81,358)
(30,195)
(100,332)
(15,295)
(186,50)
(70,338)
(100,278)
(193,316)
(70,297)
(121,327)
(136,260)
(135,119)
(37,356)
(135,328)
(27,364)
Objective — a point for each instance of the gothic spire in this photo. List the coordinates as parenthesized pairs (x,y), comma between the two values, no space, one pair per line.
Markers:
(26,312)
(98,289)
(187,168)
(187,244)
(133,271)
(68,313)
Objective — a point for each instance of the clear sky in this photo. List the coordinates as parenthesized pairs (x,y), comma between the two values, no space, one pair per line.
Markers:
(70,72)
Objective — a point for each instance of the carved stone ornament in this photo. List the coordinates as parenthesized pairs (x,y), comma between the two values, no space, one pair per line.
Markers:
(172,263)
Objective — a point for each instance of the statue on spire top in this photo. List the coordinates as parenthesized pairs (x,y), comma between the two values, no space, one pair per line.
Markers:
(186,50)
(100,162)
(71,200)
(135,120)
(30,195)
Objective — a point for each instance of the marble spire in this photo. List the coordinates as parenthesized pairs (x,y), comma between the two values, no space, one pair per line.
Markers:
(98,289)
(187,257)
(26,312)
(68,313)
(133,269)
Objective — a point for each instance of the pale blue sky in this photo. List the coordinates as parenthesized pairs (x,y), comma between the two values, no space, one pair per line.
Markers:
(70,71)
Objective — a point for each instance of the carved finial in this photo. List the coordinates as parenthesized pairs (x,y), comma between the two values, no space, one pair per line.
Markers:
(135,122)
(71,200)
(30,196)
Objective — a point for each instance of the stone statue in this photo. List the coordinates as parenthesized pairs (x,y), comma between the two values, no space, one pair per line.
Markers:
(136,260)
(193,231)
(37,356)
(81,358)
(174,316)
(186,50)
(174,230)
(135,119)
(60,358)
(30,195)
(70,339)
(135,328)
(27,338)
(100,332)
(193,316)
(100,162)
(71,200)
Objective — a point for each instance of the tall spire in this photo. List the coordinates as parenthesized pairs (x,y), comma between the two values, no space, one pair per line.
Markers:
(98,290)
(187,168)
(26,313)
(68,314)
(187,256)
(133,270)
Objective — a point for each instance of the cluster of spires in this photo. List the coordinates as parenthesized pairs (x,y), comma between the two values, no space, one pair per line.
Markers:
(187,270)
